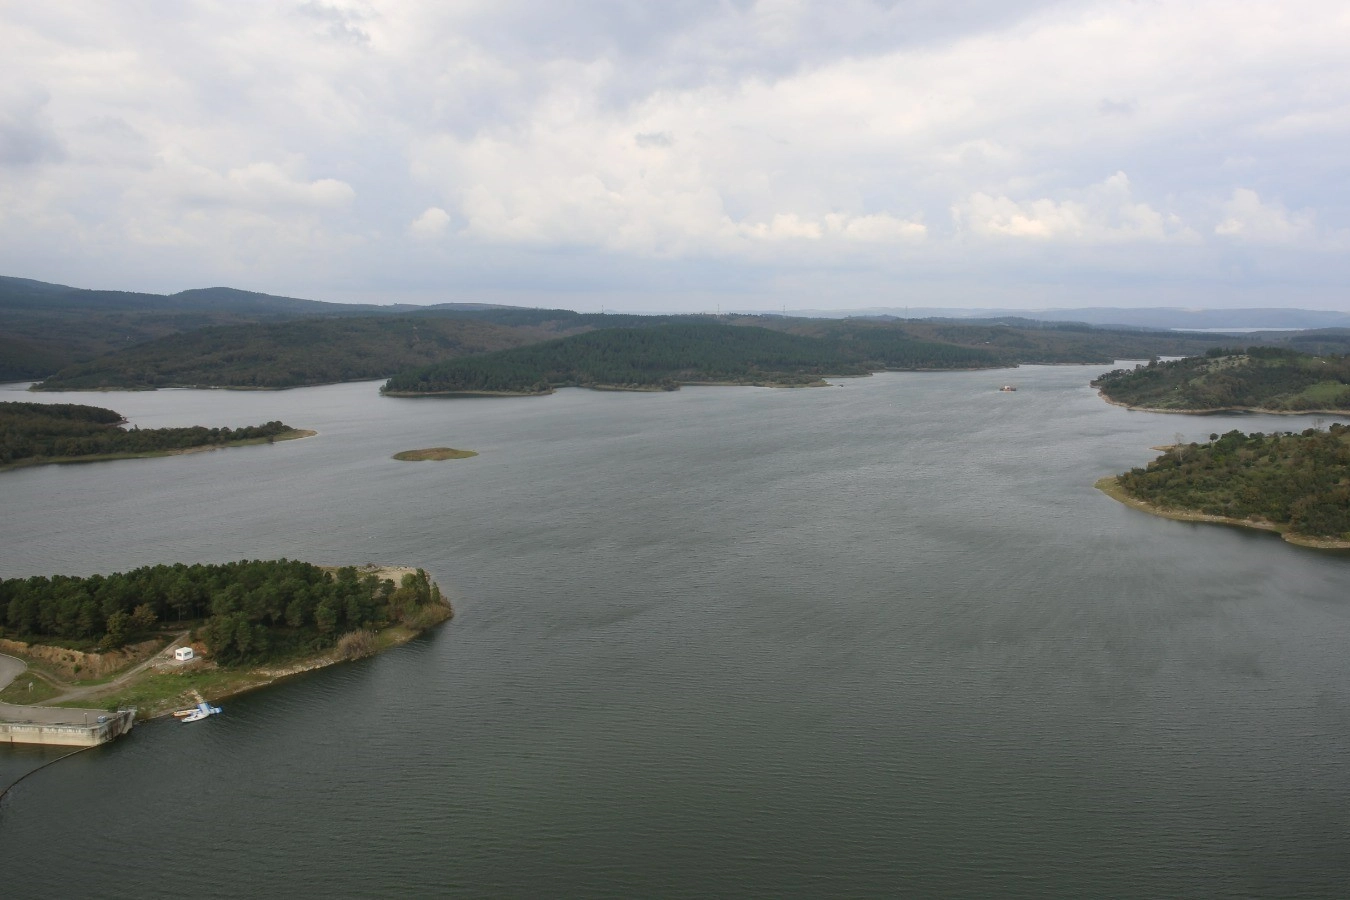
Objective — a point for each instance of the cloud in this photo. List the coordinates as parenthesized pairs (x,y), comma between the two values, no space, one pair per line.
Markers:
(336,22)
(27,136)
(654,139)
(878,228)
(1247,219)
(1109,107)
(434,222)
(1101,214)
(759,145)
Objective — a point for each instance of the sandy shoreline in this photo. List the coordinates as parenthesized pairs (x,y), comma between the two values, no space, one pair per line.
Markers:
(1110,486)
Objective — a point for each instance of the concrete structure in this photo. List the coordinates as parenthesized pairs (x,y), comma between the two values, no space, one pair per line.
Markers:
(55,725)
(60,727)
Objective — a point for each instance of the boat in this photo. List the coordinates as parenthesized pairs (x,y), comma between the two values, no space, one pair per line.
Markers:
(203,710)
(1008,388)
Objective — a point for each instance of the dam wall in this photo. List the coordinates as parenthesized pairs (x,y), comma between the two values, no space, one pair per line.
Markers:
(57,727)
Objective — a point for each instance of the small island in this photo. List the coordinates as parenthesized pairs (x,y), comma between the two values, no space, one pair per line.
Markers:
(1258,379)
(1297,485)
(107,641)
(434,453)
(33,434)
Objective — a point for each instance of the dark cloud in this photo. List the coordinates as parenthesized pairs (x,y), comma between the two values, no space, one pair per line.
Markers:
(678,45)
(654,139)
(336,23)
(1109,107)
(26,134)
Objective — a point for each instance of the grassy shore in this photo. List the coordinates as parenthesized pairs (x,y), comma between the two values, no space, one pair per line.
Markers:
(157,693)
(293,434)
(1110,486)
(434,453)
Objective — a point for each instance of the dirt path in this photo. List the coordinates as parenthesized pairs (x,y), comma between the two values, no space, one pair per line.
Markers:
(79,693)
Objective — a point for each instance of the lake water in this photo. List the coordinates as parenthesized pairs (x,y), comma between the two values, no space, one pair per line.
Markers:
(871,640)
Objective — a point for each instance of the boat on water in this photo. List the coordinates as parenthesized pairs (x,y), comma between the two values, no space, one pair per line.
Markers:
(203,710)
(1008,388)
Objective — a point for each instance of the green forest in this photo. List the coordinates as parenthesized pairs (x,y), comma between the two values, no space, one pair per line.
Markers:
(1277,379)
(33,433)
(247,611)
(1298,481)
(661,356)
(293,353)
(220,337)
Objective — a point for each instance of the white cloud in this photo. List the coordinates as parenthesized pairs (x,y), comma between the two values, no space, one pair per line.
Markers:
(782,227)
(1103,213)
(434,222)
(1248,219)
(879,228)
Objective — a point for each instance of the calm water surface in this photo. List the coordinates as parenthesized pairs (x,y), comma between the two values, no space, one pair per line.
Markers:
(878,639)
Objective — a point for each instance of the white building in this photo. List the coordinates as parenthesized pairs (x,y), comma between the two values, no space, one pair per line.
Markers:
(183,654)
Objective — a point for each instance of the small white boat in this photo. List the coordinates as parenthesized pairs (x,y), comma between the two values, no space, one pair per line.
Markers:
(1008,388)
(203,710)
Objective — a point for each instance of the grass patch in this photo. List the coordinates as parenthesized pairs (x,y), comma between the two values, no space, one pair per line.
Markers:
(19,691)
(1324,393)
(156,692)
(434,453)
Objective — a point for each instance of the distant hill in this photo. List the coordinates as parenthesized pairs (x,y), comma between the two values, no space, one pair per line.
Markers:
(1271,379)
(1166,318)
(224,337)
(47,327)
(1019,341)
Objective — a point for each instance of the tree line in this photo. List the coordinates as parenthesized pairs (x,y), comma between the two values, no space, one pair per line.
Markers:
(245,611)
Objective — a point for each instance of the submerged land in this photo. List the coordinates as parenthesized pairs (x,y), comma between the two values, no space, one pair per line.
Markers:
(434,453)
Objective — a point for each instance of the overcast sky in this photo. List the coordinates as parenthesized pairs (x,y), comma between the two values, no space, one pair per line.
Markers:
(685,154)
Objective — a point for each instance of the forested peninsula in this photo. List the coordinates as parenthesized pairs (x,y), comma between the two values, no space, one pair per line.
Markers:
(666,354)
(661,353)
(251,619)
(1263,379)
(1294,484)
(37,433)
